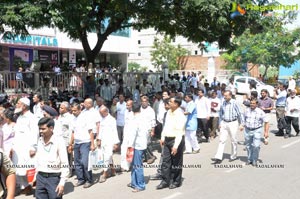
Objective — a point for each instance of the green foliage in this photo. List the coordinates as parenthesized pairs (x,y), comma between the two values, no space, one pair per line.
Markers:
(17,15)
(272,71)
(164,51)
(197,20)
(272,47)
(133,67)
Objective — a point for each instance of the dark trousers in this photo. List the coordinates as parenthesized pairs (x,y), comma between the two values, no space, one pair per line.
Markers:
(158,129)
(292,121)
(202,125)
(81,159)
(148,152)
(171,167)
(213,124)
(281,122)
(45,187)
(120,130)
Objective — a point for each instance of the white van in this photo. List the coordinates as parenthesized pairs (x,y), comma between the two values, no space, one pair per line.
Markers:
(242,83)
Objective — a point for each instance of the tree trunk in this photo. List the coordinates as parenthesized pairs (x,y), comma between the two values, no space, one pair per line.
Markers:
(91,54)
(265,73)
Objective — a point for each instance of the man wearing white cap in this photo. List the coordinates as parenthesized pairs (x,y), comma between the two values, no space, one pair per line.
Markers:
(26,137)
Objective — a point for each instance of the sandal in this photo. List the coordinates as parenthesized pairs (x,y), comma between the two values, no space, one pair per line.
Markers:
(135,190)
(102,179)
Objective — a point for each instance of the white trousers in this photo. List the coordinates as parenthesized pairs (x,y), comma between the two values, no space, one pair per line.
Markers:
(231,129)
(191,142)
(107,156)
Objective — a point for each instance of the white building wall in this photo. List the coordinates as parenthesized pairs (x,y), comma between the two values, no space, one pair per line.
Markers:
(146,38)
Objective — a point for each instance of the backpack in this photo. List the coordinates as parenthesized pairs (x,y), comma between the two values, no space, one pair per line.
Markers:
(2,184)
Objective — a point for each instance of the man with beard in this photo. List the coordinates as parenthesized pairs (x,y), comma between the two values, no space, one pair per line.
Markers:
(26,137)
(292,110)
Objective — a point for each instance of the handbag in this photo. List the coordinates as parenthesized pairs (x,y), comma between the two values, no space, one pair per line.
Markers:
(96,160)
(129,154)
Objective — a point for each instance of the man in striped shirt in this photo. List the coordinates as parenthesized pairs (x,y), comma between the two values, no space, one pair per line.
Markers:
(230,118)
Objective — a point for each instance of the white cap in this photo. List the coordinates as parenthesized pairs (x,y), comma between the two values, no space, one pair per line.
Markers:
(25,101)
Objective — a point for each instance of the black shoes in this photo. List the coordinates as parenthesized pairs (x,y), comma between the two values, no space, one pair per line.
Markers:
(248,163)
(156,176)
(216,161)
(162,185)
(174,186)
(254,164)
(234,159)
(79,183)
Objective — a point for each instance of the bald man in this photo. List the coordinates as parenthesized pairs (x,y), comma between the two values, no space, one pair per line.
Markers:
(92,115)
(107,140)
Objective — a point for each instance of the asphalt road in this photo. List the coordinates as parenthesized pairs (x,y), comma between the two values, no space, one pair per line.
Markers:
(277,177)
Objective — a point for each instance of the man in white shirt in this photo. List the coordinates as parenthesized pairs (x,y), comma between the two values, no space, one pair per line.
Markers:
(148,113)
(172,139)
(108,140)
(52,162)
(26,137)
(92,115)
(121,108)
(63,128)
(203,113)
(127,133)
(83,140)
(137,141)
(292,112)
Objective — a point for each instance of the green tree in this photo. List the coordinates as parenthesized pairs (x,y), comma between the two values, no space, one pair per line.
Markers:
(18,15)
(164,51)
(272,47)
(133,67)
(197,20)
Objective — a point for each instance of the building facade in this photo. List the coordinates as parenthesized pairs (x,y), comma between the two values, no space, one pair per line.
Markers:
(51,47)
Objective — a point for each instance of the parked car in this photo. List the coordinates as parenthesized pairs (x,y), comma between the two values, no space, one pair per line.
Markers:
(242,84)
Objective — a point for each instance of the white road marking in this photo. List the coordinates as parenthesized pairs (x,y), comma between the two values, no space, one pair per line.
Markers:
(174,195)
(290,144)
(233,169)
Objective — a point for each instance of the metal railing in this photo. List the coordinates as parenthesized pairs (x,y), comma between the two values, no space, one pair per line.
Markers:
(46,82)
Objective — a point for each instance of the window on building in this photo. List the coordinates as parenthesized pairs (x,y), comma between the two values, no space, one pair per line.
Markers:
(139,54)
(196,52)
(139,41)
